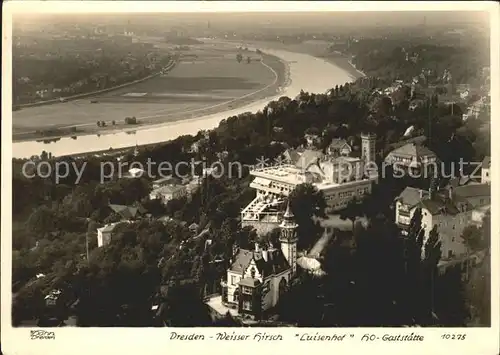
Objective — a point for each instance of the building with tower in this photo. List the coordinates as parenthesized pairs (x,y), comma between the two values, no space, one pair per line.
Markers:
(340,178)
(256,279)
(288,238)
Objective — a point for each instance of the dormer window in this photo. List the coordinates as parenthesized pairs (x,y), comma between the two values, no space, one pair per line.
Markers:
(252,273)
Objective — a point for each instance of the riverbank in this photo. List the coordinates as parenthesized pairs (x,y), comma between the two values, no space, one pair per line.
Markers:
(316,48)
(275,65)
(344,63)
(307,73)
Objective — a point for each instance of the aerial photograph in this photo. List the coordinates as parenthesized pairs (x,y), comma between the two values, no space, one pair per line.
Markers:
(270,169)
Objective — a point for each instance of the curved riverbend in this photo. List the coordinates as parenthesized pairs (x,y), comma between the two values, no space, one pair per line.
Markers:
(306,73)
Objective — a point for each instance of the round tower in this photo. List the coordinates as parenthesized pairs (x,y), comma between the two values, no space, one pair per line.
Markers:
(288,238)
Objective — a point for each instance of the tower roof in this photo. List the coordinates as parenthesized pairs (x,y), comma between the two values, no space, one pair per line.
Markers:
(288,213)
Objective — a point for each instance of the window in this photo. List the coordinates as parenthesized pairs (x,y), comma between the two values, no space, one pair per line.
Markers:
(236,295)
(252,273)
(450,253)
(234,280)
(246,290)
(247,305)
(452,239)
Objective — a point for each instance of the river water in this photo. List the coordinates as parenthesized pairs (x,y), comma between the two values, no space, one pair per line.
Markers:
(306,73)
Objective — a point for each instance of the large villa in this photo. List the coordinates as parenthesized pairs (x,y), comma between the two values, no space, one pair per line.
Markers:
(339,177)
(256,279)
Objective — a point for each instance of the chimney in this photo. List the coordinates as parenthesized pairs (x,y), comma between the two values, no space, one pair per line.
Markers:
(271,246)
(421,194)
(257,248)
(264,255)
(450,193)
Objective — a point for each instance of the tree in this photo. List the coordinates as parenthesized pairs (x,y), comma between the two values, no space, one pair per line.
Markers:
(486,229)
(432,255)
(352,210)
(42,220)
(472,238)
(239,57)
(226,321)
(307,203)
(413,244)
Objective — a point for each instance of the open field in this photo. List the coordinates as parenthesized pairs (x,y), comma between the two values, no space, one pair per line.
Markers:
(207,79)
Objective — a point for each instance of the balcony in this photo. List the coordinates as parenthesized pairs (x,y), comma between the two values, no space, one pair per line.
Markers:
(262,208)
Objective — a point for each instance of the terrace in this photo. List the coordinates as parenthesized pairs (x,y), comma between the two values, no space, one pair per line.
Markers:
(262,208)
(216,304)
(288,174)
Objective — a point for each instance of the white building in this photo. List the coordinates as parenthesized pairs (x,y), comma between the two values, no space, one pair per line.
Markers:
(411,156)
(104,234)
(339,178)
(168,192)
(168,180)
(256,279)
(448,211)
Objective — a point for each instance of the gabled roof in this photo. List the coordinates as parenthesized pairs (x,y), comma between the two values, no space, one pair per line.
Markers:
(193,226)
(412,150)
(462,181)
(438,204)
(307,158)
(168,189)
(241,260)
(275,264)
(108,228)
(338,143)
(125,211)
(418,140)
(292,155)
(410,196)
(442,204)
